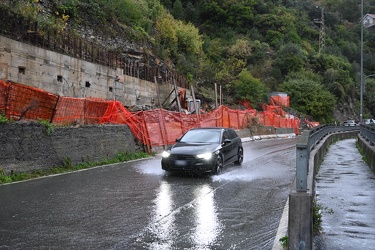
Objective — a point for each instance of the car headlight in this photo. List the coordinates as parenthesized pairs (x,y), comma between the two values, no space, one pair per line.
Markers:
(165,154)
(205,156)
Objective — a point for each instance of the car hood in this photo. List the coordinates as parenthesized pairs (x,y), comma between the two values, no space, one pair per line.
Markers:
(193,148)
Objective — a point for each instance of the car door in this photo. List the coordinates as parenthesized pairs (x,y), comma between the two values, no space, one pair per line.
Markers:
(226,147)
(235,143)
(231,149)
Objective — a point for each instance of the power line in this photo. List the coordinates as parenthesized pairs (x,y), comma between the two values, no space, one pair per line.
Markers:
(322,30)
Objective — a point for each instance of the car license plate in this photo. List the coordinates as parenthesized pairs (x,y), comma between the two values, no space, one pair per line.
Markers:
(180,163)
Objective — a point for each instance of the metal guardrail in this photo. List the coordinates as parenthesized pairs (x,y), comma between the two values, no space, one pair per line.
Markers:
(368,132)
(308,140)
(300,222)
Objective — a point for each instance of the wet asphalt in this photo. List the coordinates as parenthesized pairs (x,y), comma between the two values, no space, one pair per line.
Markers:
(136,205)
(345,191)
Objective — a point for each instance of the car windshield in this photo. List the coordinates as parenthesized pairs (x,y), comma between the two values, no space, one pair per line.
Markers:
(201,136)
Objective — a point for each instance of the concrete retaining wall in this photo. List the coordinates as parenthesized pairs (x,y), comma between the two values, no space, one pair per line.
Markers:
(26,147)
(67,76)
(368,151)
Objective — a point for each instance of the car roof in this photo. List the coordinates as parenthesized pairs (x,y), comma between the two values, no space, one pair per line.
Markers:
(210,128)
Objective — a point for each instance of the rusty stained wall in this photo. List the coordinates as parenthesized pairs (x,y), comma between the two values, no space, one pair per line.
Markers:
(68,76)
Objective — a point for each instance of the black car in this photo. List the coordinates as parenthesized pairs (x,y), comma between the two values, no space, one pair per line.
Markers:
(204,150)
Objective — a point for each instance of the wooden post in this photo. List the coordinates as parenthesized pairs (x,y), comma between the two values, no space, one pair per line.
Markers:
(221,97)
(195,104)
(163,131)
(197,111)
(157,91)
(215,95)
(176,92)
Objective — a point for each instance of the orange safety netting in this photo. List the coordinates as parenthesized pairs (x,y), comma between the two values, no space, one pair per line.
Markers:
(116,113)
(156,127)
(282,101)
(95,109)
(4,88)
(311,124)
(69,110)
(29,103)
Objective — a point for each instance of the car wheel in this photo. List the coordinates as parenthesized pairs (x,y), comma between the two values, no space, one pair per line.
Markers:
(239,157)
(218,165)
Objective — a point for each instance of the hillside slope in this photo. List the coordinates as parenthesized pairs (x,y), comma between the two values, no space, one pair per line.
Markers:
(250,48)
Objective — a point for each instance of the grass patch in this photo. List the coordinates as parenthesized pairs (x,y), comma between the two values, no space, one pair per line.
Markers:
(284,242)
(364,158)
(3,119)
(49,127)
(317,218)
(69,167)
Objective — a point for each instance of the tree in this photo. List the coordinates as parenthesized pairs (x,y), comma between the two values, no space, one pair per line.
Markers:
(308,95)
(369,97)
(249,88)
(178,10)
(189,39)
(241,49)
(290,58)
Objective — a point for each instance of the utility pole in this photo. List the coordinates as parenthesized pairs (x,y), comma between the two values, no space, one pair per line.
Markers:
(322,30)
(361,95)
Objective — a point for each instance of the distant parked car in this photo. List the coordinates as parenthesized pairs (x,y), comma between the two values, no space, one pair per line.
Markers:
(204,150)
(350,123)
(368,121)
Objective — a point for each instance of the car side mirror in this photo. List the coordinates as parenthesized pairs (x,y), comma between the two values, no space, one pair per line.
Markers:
(178,139)
(227,141)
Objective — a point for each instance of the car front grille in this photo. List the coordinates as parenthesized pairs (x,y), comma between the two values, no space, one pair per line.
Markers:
(182,157)
(181,162)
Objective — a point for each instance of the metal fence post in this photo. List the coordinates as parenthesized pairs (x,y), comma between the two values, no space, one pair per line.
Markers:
(302,161)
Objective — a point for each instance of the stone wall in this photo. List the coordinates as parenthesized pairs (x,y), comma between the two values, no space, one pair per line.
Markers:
(26,147)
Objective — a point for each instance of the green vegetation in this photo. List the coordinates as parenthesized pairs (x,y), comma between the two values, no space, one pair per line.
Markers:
(3,119)
(249,47)
(48,125)
(364,158)
(317,218)
(67,166)
(284,242)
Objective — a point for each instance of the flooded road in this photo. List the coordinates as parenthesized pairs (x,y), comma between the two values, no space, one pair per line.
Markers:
(345,187)
(136,205)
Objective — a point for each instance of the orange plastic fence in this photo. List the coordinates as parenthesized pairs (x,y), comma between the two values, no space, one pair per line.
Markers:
(311,124)
(95,109)
(162,127)
(116,113)
(4,88)
(282,101)
(29,103)
(153,128)
(69,111)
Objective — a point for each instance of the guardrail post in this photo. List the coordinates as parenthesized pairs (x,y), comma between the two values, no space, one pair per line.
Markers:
(302,161)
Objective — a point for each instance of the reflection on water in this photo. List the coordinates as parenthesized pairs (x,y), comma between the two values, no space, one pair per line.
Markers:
(208,226)
(199,216)
(162,222)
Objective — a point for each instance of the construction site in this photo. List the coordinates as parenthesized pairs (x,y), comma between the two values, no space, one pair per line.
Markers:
(72,83)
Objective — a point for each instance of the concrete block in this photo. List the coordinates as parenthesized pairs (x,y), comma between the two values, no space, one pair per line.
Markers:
(300,228)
